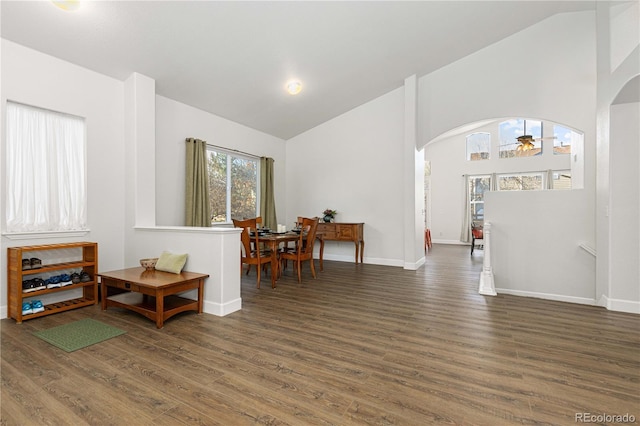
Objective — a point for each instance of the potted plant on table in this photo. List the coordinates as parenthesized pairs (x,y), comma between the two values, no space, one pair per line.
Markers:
(329,215)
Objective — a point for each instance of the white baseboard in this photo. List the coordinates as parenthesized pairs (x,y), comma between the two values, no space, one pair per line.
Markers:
(455,242)
(3,312)
(548,296)
(620,305)
(370,260)
(220,309)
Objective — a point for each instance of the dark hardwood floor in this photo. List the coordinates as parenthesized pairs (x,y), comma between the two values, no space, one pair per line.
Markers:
(362,344)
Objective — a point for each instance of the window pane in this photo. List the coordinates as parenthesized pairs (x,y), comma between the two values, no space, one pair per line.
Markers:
(562,179)
(562,141)
(218,186)
(508,133)
(244,191)
(520,182)
(510,130)
(478,185)
(478,146)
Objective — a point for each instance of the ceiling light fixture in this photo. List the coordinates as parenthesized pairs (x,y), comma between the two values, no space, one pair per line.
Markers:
(67,5)
(294,87)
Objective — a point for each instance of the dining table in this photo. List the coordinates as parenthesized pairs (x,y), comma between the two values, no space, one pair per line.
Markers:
(273,240)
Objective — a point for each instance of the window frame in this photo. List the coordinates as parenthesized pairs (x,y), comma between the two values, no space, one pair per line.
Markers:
(230,155)
(511,139)
(541,175)
(469,141)
(472,203)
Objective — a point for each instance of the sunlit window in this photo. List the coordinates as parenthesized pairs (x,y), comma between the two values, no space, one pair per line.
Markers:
(508,134)
(233,186)
(562,139)
(45,169)
(478,146)
(561,179)
(520,182)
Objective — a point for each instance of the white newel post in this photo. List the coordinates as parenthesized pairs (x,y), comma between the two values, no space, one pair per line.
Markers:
(487,286)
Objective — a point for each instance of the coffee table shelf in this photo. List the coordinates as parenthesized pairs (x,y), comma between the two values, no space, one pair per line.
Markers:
(153,294)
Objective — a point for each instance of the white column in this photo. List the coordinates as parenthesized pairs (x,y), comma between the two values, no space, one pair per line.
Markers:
(413,180)
(487,286)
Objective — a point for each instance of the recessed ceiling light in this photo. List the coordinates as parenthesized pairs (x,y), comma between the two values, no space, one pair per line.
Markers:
(68,5)
(294,87)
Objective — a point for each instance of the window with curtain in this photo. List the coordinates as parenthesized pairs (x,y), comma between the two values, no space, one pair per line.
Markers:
(478,185)
(233,185)
(46,170)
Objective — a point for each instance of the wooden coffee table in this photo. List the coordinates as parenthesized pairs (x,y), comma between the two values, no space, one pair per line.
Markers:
(153,294)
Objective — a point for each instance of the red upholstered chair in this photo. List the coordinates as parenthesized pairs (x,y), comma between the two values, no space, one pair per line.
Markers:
(476,234)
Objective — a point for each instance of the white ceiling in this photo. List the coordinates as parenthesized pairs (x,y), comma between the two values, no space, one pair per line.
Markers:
(234,58)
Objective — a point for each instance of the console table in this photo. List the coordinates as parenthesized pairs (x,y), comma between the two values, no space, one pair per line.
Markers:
(152,293)
(338,231)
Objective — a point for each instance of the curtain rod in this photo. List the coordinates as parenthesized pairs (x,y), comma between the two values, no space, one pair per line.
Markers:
(233,150)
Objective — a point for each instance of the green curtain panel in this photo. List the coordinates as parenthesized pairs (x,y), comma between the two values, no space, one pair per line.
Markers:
(197,206)
(267,197)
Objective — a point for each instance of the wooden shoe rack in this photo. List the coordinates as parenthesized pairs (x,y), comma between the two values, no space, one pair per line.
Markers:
(56,259)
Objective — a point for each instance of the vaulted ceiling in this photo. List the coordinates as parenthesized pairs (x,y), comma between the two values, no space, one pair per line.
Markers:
(233,58)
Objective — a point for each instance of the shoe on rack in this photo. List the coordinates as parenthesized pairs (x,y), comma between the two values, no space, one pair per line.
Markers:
(36,263)
(53,282)
(85,277)
(26,308)
(26,264)
(37,306)
(75,278)
(65,280)
(28,286)
(39,284)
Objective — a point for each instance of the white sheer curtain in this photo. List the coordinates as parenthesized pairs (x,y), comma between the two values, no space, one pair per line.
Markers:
(45,166)
(549,179)
(465,231)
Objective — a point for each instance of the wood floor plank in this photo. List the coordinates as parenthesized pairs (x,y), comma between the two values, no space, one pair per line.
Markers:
(359,345)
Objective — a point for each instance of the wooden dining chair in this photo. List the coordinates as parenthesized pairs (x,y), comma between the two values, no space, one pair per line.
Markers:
(250,252)
(476,234)
(303,250)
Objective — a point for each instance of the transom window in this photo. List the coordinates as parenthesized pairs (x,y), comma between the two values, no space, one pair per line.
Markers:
(508,134)
(520,182)
(478,146)
(233,186)
(562,139)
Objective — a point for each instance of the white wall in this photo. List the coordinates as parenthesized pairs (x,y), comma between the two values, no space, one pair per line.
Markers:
(449,162)
(546,72)
(354,164)
(614,72)
(47,82)
(174,123)
(624,209)
(535,249)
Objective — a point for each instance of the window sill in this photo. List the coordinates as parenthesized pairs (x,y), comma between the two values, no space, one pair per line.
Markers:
(44,234)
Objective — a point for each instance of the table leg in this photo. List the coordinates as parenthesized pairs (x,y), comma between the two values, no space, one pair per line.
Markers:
(103,294)
(357,247)
(274,262)
(200,295)
(361,250)
(159,308)
(321,253)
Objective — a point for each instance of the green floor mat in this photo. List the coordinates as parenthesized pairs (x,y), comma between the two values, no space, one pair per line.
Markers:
(79,334)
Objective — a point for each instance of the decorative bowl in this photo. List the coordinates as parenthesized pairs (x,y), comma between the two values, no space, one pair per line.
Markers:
(149,264)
